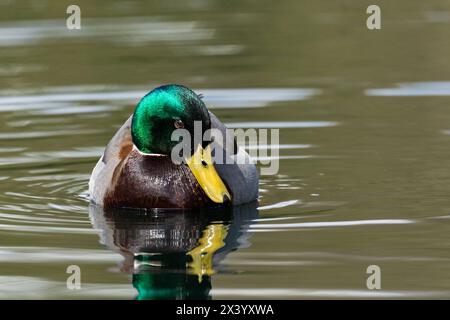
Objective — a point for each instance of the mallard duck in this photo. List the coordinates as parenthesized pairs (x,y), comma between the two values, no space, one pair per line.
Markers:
(136,169)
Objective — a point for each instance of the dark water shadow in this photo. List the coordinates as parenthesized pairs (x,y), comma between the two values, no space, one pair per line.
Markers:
(173,255)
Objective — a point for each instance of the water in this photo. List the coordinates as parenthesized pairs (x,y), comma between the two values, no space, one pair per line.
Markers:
(364,148)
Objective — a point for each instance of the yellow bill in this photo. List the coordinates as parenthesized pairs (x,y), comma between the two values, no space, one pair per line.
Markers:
(203,169)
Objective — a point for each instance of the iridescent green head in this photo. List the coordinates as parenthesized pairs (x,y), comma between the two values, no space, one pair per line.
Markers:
(163,110)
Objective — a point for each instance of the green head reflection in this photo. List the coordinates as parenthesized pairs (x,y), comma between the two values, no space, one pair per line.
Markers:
(169,278)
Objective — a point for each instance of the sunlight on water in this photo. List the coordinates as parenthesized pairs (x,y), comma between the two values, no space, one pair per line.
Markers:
(325,224)
(126,30)
(282,124)
(363,151)
(215,98)
(321,293)
(414,89)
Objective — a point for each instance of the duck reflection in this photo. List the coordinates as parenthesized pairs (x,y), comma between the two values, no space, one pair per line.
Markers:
(172,255)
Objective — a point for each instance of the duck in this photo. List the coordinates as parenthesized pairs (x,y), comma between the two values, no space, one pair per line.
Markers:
(144,167)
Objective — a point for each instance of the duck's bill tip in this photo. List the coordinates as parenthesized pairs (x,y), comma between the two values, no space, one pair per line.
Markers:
(202,167)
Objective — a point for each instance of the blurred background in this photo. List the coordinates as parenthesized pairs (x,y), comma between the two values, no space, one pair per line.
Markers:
(364,139)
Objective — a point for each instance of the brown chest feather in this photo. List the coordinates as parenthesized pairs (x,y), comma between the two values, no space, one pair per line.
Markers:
(154,182)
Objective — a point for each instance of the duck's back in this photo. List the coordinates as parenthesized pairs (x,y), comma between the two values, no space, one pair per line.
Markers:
(115,153)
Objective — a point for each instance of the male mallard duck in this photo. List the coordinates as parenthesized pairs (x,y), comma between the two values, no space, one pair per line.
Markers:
(136,169)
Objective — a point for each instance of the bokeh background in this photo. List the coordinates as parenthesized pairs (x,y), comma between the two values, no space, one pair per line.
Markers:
(364,135)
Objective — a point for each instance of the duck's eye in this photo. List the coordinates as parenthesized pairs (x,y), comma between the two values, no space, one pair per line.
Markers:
(178,124)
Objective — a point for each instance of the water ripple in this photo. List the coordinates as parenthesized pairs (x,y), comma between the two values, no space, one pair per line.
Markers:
(281,204)
(327,224)
(322,293)
(46,103)
(282,124)
(123,30)
(51,254)
(413,89)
